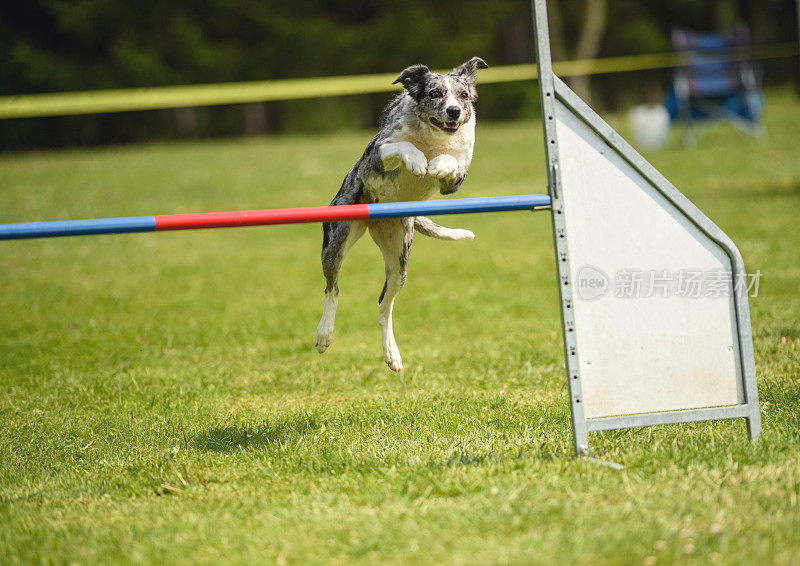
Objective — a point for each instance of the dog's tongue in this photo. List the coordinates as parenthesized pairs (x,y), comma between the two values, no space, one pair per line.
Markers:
(451,124)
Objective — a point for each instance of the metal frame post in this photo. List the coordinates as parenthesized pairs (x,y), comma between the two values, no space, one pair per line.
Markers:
(547,97)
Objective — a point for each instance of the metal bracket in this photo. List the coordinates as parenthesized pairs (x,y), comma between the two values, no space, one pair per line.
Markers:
(556,176)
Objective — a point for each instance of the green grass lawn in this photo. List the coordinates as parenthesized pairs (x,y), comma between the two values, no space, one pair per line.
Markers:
(161,400)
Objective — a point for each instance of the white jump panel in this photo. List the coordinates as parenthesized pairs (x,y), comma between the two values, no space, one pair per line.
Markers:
(661,347)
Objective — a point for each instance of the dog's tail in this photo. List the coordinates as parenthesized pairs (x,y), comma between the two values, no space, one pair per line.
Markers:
(426,226)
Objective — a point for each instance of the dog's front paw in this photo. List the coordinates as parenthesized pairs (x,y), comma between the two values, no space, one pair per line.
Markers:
(443,166)
(393,154)
(414,161)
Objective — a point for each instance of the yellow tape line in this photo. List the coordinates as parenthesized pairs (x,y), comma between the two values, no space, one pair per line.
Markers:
(150,98)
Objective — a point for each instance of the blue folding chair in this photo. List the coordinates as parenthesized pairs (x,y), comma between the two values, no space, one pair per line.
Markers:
(718,82)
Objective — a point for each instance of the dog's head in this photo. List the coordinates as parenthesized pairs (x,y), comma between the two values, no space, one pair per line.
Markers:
(443,102)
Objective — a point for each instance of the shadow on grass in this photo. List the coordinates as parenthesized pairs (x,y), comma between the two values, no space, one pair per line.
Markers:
(230,438)
(760,192)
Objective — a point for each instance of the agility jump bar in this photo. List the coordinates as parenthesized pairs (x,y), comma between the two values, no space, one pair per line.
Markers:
(165,222)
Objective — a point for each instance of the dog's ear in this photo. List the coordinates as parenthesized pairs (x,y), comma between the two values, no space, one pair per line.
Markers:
(468,69)
(411,78)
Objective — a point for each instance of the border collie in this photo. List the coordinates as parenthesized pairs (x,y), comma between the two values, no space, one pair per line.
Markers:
(424,145)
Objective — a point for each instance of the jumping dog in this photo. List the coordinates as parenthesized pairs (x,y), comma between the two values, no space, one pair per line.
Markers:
(425,144)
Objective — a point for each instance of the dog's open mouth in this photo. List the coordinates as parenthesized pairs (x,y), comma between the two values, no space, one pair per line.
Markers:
(449,127)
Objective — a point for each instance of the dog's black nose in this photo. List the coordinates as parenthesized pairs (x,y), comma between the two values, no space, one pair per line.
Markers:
(453,112)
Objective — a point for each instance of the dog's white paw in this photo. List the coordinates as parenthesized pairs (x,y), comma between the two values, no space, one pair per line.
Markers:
(414,161)
(323,341)
(324,335)
(391,355)
(461,234)
(327,322)
(396,153)
(443,166)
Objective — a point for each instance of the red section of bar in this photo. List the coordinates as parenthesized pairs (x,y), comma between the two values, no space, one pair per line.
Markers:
(261,217)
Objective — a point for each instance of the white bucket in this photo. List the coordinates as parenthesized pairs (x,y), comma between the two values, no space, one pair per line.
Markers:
(650,125)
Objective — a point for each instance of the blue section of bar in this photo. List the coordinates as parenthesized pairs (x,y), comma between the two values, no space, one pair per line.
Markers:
(458,206)
(77,227)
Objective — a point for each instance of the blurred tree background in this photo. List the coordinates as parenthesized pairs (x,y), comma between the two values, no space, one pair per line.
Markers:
(66,45)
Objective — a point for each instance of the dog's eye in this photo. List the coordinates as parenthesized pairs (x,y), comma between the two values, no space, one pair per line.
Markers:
(464,95)
(435,94)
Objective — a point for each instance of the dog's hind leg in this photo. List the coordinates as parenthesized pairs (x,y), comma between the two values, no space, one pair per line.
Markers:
(394,238)
(338,237)
(428,227)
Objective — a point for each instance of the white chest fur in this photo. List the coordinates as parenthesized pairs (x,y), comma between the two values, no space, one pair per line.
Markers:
(405,185)
(433,142)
